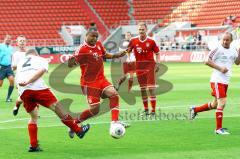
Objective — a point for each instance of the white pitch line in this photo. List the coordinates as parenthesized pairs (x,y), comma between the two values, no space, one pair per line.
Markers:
(107,122)
(52,116)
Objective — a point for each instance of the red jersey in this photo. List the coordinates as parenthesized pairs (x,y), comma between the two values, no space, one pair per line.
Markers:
(143,50)
(90,59)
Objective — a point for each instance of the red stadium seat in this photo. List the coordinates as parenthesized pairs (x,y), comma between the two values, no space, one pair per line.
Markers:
(37,19)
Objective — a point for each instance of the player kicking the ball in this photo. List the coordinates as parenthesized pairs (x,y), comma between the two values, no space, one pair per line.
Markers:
(33,91)
(94,84)
(221,60)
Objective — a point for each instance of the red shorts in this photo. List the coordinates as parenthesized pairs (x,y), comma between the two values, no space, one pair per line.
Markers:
(94,90)
(129,67)
(31,98)
(146,74)
(219,90)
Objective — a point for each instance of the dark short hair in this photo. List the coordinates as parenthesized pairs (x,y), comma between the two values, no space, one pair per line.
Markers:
(92,30)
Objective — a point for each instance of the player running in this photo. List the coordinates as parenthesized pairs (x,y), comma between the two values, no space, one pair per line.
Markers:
(221,60)
(128,63)
(33,91)
(144,49)
(94,84)
(16,58)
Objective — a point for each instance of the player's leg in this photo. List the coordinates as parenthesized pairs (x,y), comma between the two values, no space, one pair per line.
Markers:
(130,81)
(93,93)
(86,114)
(93,98)
(219,117)
(145,101)
(132,72)
(10,88)
(18,104)
(124,77)
(151,84)
(47,99)
(33,131)
(110,93)
(142,80)
(120,81)
(2,75)
(113,96)
(152,92)
(194,110)
(67,119)
(1,83)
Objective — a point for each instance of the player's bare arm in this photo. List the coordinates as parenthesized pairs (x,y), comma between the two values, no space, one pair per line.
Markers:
(237,61)
(35,77)
(211,64)
(117,55)
(157,61)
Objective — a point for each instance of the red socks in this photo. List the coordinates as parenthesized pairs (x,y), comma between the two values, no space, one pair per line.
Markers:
(68,121)
(153,103)
(219,118)
(114,106)
(85,115)
(32,131)
(202,108)
(145,103)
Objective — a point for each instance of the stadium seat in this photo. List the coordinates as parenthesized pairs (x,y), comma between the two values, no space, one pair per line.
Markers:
(38,20)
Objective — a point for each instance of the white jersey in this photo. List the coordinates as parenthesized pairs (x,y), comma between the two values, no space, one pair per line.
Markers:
(16,57)
(26,68)
(223,58)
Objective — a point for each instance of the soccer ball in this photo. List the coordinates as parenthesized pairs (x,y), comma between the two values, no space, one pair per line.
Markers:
(117,130)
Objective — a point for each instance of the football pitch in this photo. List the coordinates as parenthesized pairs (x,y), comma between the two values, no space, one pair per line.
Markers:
(170,136)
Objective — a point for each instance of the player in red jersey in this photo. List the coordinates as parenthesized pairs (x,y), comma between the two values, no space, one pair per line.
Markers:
(128,63)
(33,91)
(94,84)
(144,49)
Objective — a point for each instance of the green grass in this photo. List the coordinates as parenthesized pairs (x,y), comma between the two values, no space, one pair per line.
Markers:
(167,138)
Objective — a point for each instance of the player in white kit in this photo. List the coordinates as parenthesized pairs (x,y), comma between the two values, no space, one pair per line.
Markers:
(18,56)
(128,63)
(33,91)
(221,60)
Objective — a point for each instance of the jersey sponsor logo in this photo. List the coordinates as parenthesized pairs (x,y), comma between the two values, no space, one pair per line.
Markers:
(95,56)
(139,50)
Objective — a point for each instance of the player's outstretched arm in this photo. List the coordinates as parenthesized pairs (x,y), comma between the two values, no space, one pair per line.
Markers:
(117,55)
(34,77)
(211,64)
